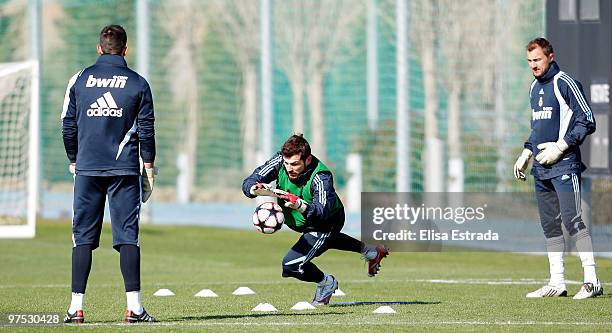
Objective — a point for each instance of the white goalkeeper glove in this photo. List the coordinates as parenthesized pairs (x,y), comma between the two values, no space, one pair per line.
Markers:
(148,181)
(521,164)
(258,186)
(551,152)
(72,168)
(295,202)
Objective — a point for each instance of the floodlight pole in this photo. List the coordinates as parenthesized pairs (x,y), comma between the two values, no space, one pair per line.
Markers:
(143,36)
(267,121)
(402,183)
(372,64)
(35,158)
(143,55)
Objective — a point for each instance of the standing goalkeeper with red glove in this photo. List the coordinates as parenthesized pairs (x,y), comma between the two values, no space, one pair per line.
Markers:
(312,208)
(561,120)
(107,124)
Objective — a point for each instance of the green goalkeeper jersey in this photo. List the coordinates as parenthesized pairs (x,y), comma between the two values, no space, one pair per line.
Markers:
(293,218)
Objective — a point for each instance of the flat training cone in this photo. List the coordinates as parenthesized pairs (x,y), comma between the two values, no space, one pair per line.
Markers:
(384,309)
(303,306)
(339,292)
(206,293)
(164,292)
(243,291)
(264,307)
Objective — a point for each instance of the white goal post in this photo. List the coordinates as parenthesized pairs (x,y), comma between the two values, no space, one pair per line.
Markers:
(19,148)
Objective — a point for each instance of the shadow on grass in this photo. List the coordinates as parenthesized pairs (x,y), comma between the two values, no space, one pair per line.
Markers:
(382,303)
(254,315)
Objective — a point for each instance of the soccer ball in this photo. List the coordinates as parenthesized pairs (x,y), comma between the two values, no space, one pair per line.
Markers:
(268,217)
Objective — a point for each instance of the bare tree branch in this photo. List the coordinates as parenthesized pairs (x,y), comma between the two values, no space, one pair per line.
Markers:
(238,22)
(312,37)
(186,23)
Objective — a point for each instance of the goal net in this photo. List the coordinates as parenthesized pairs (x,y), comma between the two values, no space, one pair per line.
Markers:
(19,165)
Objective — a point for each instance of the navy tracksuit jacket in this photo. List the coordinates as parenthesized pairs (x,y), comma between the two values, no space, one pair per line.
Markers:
(559,109)
(107,115)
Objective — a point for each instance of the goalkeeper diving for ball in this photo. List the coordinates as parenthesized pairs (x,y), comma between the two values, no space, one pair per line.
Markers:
(312,208)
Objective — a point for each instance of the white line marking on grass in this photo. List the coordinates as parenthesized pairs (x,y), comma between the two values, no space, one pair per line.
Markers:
(492,281)
(378,281)
(11,286)
(350,323)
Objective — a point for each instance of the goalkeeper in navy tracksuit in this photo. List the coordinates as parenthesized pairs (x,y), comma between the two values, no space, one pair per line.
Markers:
(312,208)
(107,123)
(561,120)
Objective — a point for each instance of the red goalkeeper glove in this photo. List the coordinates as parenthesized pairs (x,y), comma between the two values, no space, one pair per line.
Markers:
(295,202)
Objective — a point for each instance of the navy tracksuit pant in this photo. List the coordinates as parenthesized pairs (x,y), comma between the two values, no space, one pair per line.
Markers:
(559,202)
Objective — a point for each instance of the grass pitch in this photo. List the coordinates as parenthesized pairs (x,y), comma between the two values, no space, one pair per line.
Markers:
(469,291)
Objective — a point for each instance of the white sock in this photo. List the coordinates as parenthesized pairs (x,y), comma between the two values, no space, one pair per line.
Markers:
(584,246)
(76,303)
(589,274)
(556,250)
(557,270)
(133,302)
(588,265)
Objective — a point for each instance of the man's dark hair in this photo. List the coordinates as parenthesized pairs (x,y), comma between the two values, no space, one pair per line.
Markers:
(296,144)
(113,39)
(543,43)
